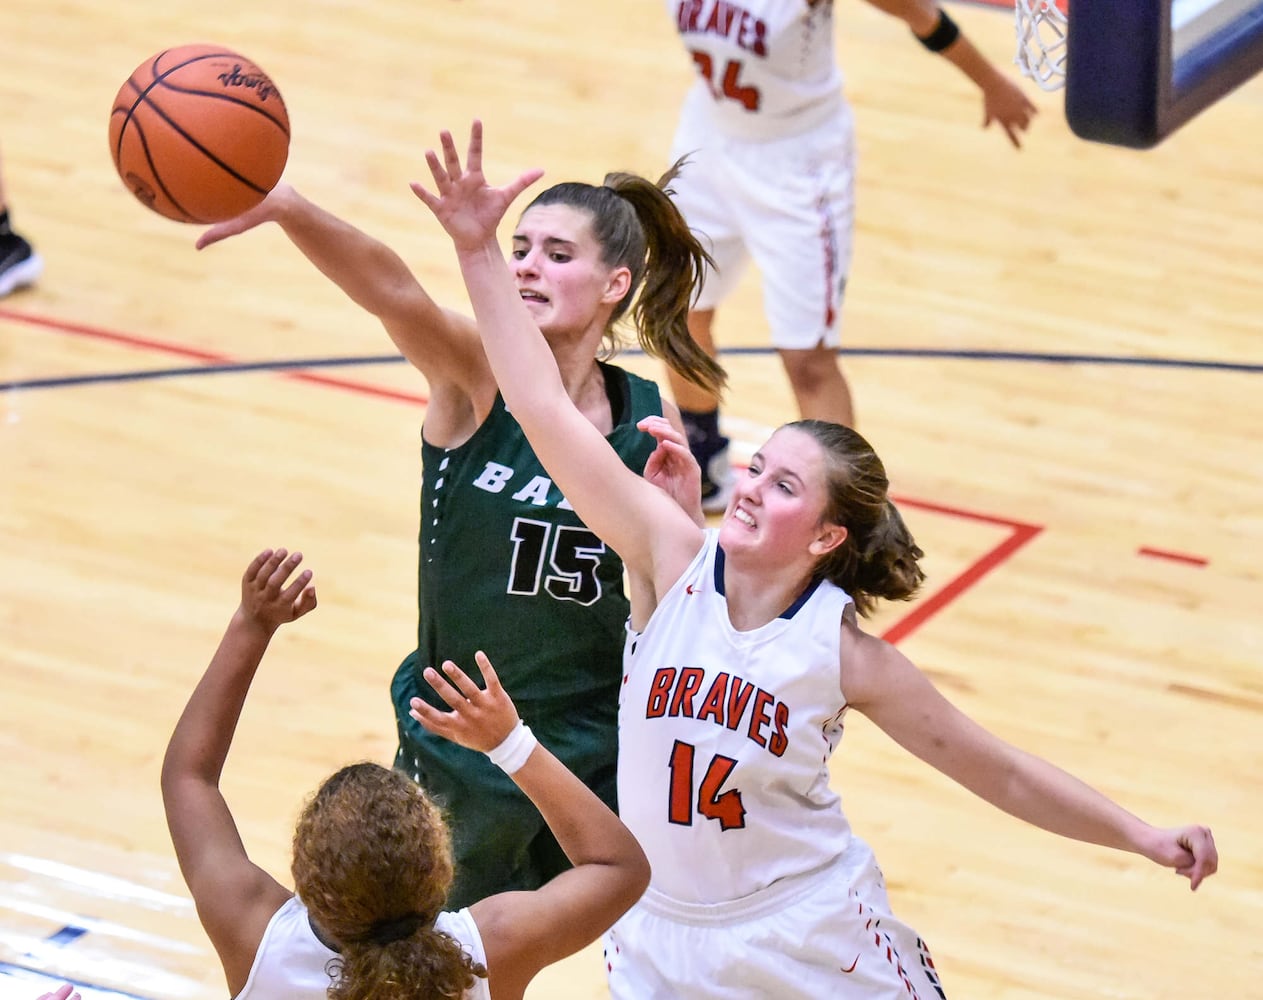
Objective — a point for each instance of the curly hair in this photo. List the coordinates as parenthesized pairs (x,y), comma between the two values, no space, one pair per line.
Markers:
(638,226)
(879,558)
(373,864)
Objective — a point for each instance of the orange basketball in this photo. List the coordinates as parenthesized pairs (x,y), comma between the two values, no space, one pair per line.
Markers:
(199,133)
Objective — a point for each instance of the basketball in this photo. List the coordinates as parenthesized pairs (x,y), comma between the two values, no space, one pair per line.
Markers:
(199,133)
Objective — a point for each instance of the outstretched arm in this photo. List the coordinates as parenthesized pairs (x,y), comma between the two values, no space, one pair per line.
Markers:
(884,685)
(441,344)
(651,533)
(525,931)
(1003,99)
(234,898)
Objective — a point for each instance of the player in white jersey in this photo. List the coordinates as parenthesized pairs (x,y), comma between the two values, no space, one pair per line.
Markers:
(771,177)
(372,857)
(755,868)
(291,961)
(743,654)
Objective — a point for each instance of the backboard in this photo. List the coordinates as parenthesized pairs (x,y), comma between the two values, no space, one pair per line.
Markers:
(1137,70)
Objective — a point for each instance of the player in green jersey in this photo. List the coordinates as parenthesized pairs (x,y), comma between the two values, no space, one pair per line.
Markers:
(505,565)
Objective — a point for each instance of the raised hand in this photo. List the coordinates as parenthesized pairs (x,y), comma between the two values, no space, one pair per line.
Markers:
(480,718)
(268,597)
(465,204)
(672,467)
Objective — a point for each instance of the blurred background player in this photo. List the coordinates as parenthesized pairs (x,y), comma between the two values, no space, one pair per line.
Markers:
(20,265)
(771,176)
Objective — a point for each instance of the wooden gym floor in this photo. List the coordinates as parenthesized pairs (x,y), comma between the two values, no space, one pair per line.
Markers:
(1057,351)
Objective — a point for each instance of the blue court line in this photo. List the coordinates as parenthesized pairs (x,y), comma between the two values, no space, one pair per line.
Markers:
(63,381)
(45,982)
(1027,357)
(914,353)
(66,935)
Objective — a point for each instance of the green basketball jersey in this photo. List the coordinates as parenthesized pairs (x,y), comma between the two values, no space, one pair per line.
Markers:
(507,566)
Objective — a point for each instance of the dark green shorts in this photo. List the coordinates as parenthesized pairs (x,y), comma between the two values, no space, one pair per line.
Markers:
(498,837)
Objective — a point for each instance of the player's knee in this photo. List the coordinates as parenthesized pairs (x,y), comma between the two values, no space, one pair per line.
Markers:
(812,371)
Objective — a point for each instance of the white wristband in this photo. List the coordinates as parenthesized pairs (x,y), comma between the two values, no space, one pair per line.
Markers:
(511,754)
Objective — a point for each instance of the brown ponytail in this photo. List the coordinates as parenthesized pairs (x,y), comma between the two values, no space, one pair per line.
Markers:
(426,964)
(373,864)
(880,558)
(638,226)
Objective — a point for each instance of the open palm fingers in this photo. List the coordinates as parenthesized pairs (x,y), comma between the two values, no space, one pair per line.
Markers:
(456,692)
(432,719)
(456,688)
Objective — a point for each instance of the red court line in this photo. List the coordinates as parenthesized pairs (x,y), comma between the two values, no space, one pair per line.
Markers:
(210,357)
(126,339)
(1019,532)
(1181,557)
(350,385)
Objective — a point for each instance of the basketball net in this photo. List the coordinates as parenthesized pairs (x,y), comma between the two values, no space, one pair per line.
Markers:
(1041,42)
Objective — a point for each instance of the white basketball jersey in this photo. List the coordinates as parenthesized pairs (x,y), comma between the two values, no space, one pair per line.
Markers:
(766,68)
(725,738)
(291,962)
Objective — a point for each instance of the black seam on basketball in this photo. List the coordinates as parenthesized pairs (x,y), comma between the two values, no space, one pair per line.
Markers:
(140,94)
(203,150)
(122,131)
(230,98)
(153,71)
(143,97)
(153,171)
(128,112)
(161,78)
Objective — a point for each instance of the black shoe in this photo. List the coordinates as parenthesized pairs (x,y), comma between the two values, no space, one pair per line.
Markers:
(20,265)
(717,477)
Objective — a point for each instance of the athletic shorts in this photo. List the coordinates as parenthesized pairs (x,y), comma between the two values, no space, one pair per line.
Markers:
(499,840)
(788,204)
(827,933)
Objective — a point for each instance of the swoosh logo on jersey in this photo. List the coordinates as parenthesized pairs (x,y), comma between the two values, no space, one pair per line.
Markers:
(690,590)
(853,965)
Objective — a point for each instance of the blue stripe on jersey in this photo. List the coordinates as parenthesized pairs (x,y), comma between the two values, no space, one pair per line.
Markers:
(789,612)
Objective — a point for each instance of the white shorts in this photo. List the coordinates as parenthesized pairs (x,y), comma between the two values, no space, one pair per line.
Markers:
(787,203)
(829,934)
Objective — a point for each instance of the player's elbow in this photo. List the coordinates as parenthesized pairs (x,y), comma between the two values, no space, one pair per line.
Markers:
(641,874)
(634,876)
